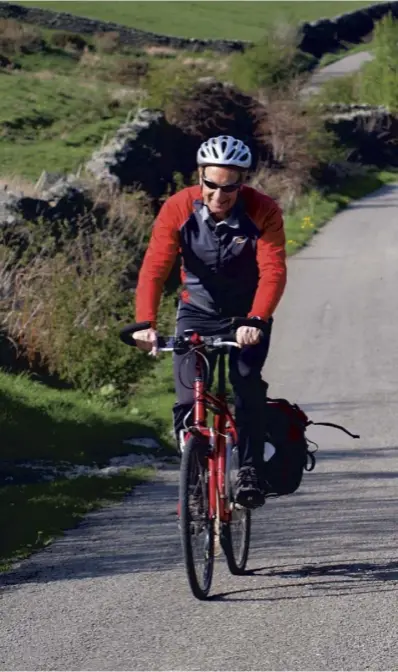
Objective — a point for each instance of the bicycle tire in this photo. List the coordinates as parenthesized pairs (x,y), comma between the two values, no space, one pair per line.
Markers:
(193,458)
(236,560)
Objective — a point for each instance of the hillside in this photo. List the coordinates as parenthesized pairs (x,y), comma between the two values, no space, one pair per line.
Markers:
(236,20)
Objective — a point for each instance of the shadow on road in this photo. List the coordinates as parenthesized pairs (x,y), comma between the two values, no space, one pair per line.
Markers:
(324,580)
(138,535)
(335,513)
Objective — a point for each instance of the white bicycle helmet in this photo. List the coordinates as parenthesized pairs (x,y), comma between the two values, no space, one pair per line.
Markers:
(224,150)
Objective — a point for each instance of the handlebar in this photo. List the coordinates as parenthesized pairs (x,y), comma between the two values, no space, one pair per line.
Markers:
(193,337)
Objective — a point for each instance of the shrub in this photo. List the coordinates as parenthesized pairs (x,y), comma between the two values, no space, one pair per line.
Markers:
(129,71)
(65,40)
(126,70)
(16,38)
(66,303)
(210,108)
(340,90)
(107,42)
(167,81)
(299,144)
(273,61)
(378,81)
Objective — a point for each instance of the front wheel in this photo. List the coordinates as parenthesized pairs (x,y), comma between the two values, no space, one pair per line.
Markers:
(236,532)
(236,540)
(197,530)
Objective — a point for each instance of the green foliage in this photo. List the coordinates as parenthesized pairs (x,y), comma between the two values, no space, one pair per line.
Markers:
(165,80)
(340,90)
(377,82)
(67,40)
(69,299)
(274,61)
(379,78)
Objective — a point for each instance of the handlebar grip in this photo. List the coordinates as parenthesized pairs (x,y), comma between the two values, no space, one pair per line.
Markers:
(237,322)
(125,333)
(250,322)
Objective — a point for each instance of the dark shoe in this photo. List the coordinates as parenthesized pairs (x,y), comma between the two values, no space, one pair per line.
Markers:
(248,491)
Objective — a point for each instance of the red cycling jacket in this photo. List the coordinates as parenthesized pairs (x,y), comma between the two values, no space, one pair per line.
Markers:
(232,268)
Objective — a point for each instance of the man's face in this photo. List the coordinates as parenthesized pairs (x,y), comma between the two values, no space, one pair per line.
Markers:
(211,179)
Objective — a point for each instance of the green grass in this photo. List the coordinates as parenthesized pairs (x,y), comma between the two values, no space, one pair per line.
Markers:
(32,516)
(233,20)
(56,121)
(41,423)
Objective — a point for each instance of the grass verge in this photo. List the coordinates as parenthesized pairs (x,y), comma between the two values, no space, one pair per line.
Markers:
(31,516)
(40,423)
(315,209)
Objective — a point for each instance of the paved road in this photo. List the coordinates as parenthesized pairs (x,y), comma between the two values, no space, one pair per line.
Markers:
(345,66)
(323,591)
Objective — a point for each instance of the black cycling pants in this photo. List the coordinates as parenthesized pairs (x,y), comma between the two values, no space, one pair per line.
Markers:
(245,366)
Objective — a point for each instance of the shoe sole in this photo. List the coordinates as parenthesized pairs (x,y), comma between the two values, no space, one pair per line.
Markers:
(250,500)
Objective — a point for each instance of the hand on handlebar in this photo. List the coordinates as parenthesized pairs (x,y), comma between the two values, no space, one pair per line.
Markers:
(248,336)
(146,341)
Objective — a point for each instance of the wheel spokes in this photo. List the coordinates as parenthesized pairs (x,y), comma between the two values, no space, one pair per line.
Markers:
(200,525)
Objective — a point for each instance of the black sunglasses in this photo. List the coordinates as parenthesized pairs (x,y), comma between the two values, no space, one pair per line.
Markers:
(226,188)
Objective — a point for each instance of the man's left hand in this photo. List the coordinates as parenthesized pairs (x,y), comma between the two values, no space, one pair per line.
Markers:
(248,336)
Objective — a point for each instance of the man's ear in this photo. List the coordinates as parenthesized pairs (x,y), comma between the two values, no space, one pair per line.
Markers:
(200,174)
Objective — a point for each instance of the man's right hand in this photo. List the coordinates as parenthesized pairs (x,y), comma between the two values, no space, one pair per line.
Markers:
(146,340)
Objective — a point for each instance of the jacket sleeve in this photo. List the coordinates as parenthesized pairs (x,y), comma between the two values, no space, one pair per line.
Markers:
(158,262)
(271,260)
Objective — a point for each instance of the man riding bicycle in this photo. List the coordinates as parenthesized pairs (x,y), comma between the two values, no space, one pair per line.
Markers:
(232,245)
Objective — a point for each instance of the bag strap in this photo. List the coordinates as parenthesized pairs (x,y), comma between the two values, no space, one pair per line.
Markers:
(332,424)
(311,422)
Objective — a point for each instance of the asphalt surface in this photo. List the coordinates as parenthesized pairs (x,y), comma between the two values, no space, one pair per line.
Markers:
(112,595)
(345,66)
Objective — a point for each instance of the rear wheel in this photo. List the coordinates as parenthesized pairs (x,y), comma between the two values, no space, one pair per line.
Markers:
(197,530)
(236,532)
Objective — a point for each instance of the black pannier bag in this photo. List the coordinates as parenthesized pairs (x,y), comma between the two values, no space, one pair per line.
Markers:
(287,450)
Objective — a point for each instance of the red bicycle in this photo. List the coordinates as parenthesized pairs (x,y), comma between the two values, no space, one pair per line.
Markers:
(210,462)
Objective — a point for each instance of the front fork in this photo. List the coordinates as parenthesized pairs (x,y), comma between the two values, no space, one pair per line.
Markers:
(219,466)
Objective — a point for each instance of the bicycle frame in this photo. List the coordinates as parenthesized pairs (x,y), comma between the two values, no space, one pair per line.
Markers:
(224,424)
